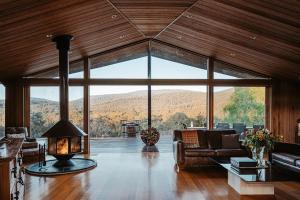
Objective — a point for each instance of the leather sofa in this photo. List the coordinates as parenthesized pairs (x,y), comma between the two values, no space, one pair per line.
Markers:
(286,156)
(211,147)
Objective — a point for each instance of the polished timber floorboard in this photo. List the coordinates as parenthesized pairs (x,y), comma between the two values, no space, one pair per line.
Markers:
(135,176)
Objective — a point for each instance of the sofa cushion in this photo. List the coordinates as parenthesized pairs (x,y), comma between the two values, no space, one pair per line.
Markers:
(21,130)
(194,152)
(10,130)
(202,137)
(298,163)
(30,152)
(230,152)
(27,145)
(287,148)
(190,139)
(16,130)
(230,141)
(285,158)
(19,135)
(215,138)
(177,135)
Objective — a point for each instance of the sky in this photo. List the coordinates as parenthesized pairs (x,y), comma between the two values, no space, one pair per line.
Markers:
(132,69)
(2,92)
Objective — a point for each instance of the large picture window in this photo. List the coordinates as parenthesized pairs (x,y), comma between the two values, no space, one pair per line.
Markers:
(174,107)
(119,82)
(127,63)
(76,105)
(44,109)
(136,68)
(76,70)
(114,108)
(238,107)
(173,63)
(226,71)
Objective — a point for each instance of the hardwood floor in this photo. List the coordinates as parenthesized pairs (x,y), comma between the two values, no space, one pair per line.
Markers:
(130,176)
(133,175)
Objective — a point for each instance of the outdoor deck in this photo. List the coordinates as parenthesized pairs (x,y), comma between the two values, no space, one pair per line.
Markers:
(127,145)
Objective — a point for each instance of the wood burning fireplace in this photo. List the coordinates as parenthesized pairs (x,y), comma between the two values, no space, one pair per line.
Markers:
(64,138)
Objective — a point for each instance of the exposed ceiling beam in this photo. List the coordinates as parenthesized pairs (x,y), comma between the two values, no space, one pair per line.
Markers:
(179,16)
(125,17)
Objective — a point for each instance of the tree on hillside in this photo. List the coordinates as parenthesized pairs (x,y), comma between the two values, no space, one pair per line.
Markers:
(174,120)
(199,121)
(243,107)
(158,123)
(101,126)
(37,124)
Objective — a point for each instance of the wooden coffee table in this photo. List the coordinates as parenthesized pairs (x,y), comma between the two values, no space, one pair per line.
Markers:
(258,182)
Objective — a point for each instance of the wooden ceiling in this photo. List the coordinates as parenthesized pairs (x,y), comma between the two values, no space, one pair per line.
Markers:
(95,24)
(263,36)
(259,35)
(152,16)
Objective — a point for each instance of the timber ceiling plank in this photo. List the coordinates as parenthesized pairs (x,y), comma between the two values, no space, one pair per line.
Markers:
(95,24)
(249,21)
(286,12)
(229,34)
(242,34)
(226,55)
(152,16)
(260,35)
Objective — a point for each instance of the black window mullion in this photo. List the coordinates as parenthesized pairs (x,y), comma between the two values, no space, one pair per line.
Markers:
(149,86)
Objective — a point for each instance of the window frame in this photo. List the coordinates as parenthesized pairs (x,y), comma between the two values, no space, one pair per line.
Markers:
(210,83)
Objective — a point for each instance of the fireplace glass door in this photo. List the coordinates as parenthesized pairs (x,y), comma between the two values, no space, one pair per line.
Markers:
(62,145)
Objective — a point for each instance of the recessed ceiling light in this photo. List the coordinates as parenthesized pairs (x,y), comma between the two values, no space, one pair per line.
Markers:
(179,37)
(114,16)
(122,36)
(49,35)
(232,54)
(253,37)
(189,16)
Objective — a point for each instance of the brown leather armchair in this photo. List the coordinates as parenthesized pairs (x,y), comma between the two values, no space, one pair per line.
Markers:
(211,147)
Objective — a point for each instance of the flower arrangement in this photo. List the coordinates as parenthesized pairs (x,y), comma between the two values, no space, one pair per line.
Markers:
(150,136)
(260,140)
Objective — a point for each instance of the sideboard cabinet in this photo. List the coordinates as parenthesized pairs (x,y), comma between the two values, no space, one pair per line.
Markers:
(12,176)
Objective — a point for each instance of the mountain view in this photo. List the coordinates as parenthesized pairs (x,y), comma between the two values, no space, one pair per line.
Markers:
(169,109)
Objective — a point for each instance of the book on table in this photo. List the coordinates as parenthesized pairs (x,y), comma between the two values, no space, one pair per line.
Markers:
(242,162)
(245,171)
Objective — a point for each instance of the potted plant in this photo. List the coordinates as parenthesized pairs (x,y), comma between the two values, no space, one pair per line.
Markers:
(150,136)
(259,142)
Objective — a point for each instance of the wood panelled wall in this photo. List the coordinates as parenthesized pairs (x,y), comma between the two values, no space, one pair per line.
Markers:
(14,105)
(285,109)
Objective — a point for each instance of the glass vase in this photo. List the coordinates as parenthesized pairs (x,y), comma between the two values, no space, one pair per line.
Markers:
(258,155)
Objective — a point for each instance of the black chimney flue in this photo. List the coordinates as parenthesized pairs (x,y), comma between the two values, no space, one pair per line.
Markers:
(63,46)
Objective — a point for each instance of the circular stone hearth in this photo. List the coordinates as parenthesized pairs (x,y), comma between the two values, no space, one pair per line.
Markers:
(80,164)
